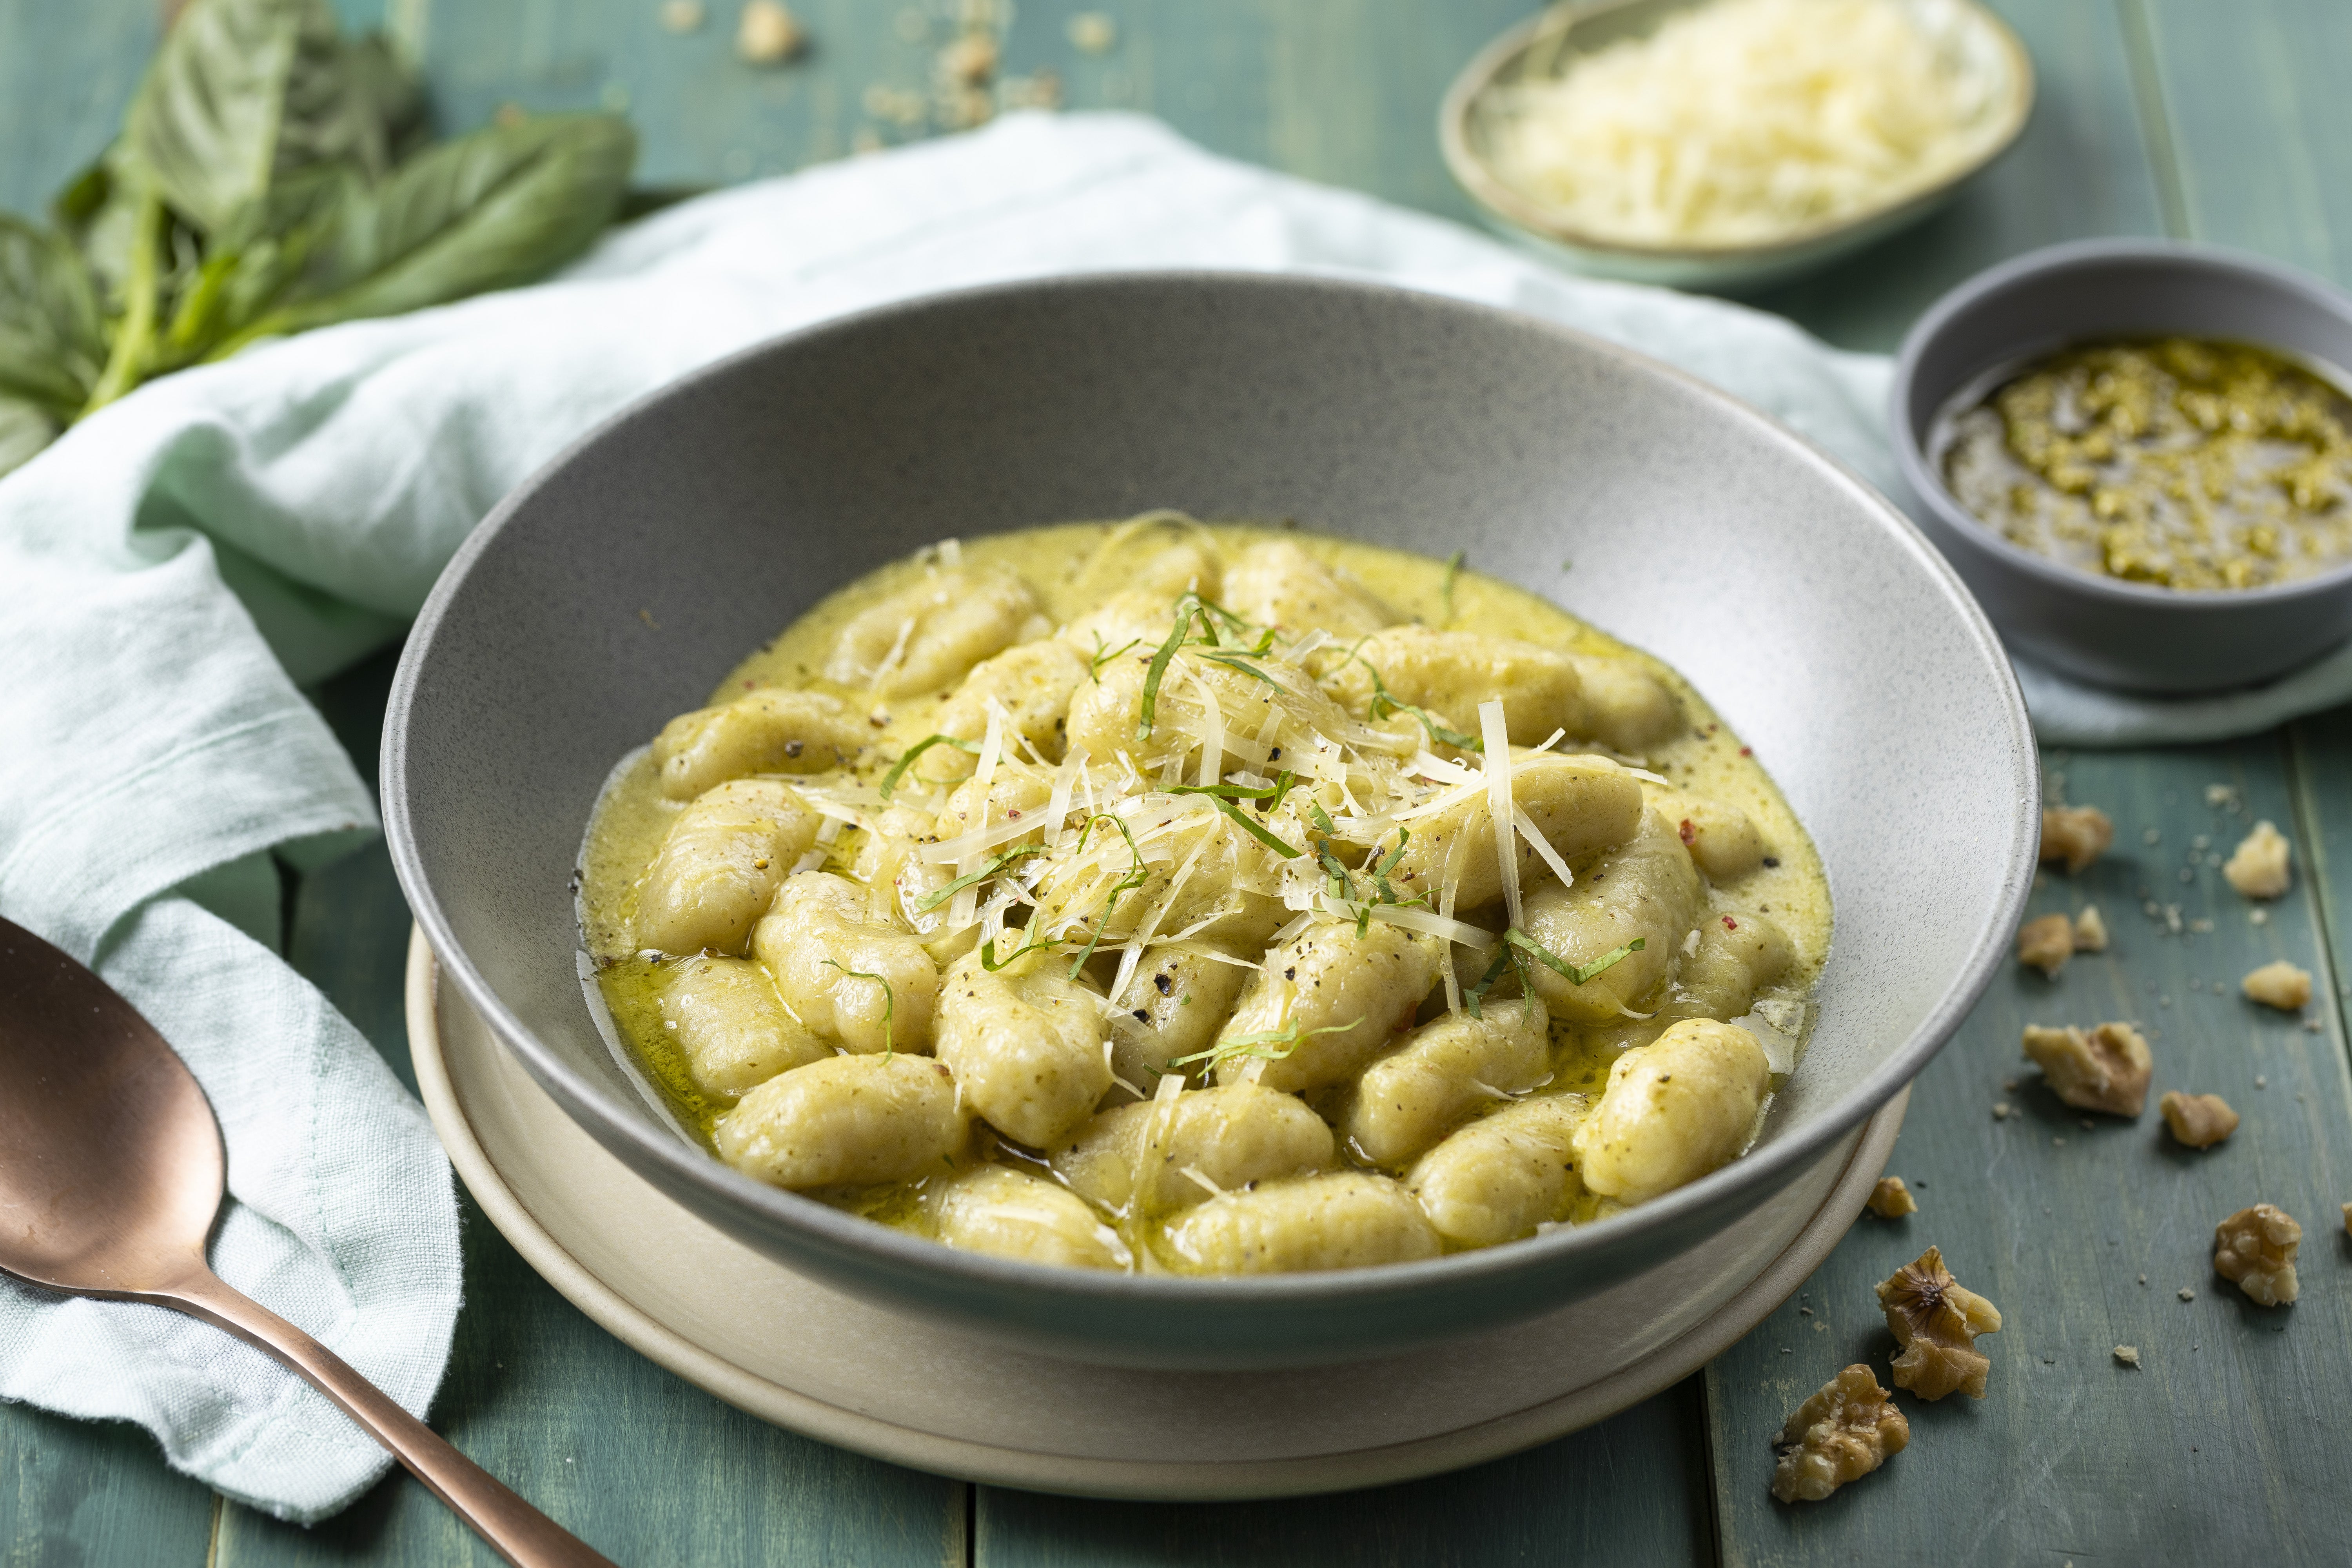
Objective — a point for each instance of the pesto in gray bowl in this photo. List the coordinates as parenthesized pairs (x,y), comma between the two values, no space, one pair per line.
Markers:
(614,589)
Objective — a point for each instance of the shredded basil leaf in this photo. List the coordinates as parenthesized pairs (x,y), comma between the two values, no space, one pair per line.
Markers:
(1272,1046)
(1385,702)
(1478,993)
(889,999)
(1446,589)
(1094,664)
(1580,976)
(932,900)
(898,769)
(1137,875)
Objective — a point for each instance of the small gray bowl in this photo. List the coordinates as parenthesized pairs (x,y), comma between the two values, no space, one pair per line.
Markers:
(2105,630)
(615,589)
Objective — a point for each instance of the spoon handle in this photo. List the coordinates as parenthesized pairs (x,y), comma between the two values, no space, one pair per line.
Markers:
(514,1530)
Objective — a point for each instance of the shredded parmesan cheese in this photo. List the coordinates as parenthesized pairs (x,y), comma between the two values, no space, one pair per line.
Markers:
(1501,803)
(1748,122)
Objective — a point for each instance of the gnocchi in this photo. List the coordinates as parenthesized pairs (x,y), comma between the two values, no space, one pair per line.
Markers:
(1135,896)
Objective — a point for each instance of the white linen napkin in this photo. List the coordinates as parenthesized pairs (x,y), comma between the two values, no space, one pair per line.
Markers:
(178,564)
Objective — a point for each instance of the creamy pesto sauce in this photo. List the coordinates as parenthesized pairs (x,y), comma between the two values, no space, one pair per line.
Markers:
(1062,566)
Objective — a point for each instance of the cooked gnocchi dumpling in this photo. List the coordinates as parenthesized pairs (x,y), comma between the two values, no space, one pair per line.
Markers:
(1162,898)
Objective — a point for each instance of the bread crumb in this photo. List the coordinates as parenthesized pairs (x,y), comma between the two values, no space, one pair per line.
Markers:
(1840,1435)
(2046,945)
(2187,1293)
(2258,867)
(1092,32)
(2128,1354)
(2278,985)
(1891,1199)
(2254,1249)
(2090,930)
(2076,836)
(1936,1319)
(2198,1121)
(768,34)
(682,16)
(2003,1110)
(2105,1069)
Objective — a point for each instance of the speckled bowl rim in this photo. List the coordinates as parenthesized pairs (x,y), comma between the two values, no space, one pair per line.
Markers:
(2021,274)
(615,1122)
(1490,191)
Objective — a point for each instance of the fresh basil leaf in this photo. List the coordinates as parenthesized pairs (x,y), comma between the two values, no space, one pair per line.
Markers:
(278,248)
(24,429)
(502,207)
(349,102)
(51,345)
(98,212)
(203,127)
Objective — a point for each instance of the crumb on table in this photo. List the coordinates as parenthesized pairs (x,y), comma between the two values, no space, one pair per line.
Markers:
(1937,1321)
(2254,1249)
(2075,835)
(2105,1068)
(2046,944)
(2198,1121)
(2128,1354)
(2090,930)
(1891,1199)
(2278,985)
(1840,1435)
(2258,867)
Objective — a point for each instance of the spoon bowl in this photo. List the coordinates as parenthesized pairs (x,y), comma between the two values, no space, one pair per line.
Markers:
(113,1166)
(111,1172)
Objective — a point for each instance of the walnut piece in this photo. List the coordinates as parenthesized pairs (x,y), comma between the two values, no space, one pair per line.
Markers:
(2254,1248)
(1937,1318)
(1891,1199)
(1840,1435)
(2106,1069)
(2258,867)
(2278,985)
(2075,835)
(2090,930)
(2200,1121)
(768,34)
(2047,944)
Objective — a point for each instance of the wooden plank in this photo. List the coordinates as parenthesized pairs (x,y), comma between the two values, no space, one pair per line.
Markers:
(2258,119)
(1629,1491)
(78,1493)
(2080,169)
(2227,1439)
(66,71)
(643,1466)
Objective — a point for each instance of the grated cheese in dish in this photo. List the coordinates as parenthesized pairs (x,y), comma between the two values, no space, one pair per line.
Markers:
(1745,121)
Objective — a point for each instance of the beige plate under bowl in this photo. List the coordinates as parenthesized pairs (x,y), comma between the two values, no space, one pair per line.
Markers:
(765,1339)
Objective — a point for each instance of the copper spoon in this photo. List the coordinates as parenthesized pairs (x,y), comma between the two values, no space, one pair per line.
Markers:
(110,1170)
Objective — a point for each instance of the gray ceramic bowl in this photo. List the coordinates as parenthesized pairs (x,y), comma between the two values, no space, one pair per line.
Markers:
(2103,629)
(613,590)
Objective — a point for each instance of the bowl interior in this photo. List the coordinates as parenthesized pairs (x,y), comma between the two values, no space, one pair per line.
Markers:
(615,589)
(1979,45)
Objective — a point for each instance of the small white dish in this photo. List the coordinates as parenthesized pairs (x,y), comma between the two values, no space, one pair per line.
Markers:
(1980,41)
(736,1321)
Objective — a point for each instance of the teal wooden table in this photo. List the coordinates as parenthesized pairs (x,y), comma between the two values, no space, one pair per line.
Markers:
(2171,116)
